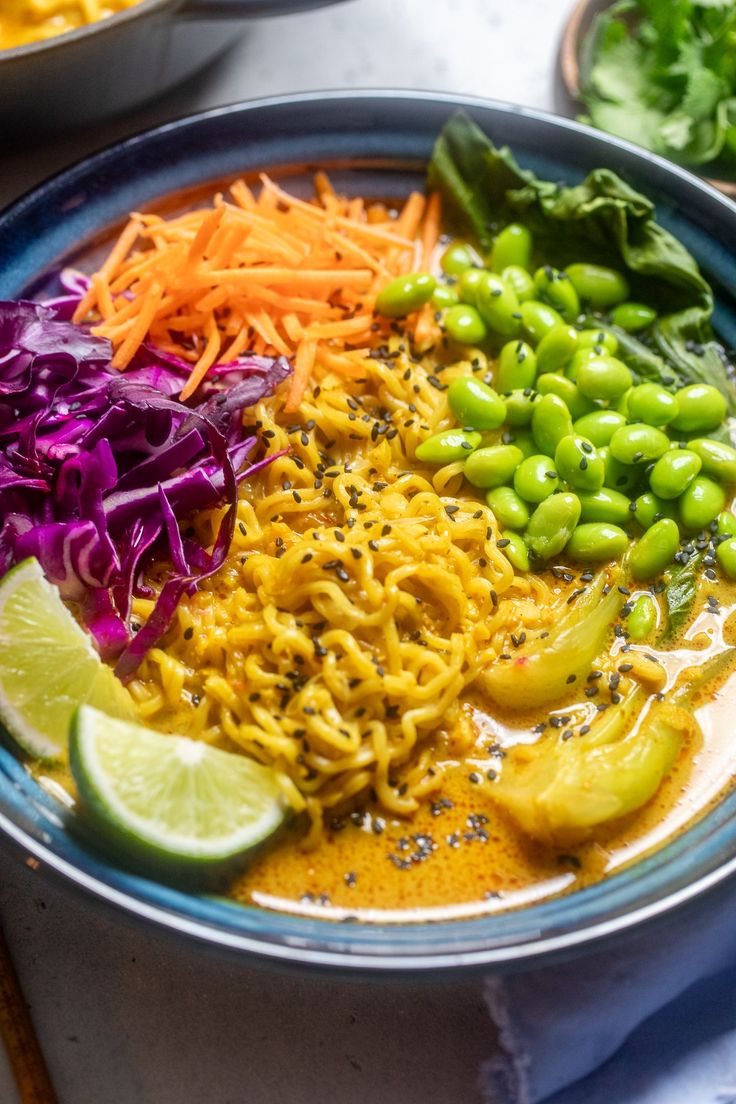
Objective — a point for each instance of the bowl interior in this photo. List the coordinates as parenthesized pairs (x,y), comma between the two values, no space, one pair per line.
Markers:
(375,143)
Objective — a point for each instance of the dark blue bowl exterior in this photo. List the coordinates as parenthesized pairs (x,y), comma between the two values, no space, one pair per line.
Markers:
(378,143)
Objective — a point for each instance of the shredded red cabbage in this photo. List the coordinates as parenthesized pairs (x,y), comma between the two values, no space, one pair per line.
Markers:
(98,469)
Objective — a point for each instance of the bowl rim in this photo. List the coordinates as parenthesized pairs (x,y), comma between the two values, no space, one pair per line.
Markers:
(121,891)
(88,30)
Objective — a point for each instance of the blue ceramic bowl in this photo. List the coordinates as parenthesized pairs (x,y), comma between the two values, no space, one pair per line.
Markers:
(377,143)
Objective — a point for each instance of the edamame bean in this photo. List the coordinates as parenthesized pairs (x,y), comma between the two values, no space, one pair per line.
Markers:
(538,319)
(655,550)
(601,340)
(520,280)
(444,296)
(599,426)
(405,294)
(605,505)
(600,286)
(458,257)
(674,472)
(551,525)
(513,246)
(701,503)
(648,509)
(718,458)
(509,509)
(557,348)
(464,325)
(523,440)
(448,446)
(633,317)
(603,377)
(597,541)
(726,524)
(634,444)
(468,283)
(582,356)
(536,478)
(555,287)
(515,550)
(701,408)
(475,404)
(642,621)
(520,406)
(517,366)
(579,464)
(726,556)
(498,305)
(622,477)
(493,466)
(551,422)
(652,404)
(550,383)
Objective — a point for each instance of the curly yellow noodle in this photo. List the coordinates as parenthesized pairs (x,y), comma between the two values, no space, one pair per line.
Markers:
(362,596)
(24,21)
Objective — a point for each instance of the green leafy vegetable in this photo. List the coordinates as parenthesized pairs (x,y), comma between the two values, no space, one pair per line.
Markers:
(602,220)
(662,73)
(680,594)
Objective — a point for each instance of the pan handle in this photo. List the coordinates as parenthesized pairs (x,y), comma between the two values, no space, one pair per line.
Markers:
(253,9)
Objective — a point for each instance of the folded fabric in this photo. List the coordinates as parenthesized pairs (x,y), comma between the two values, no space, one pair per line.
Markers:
(655,1017)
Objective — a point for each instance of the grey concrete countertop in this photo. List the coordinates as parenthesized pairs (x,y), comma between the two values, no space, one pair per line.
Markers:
(128,1016)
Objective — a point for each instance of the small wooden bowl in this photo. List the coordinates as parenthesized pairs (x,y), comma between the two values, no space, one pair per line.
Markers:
(577,26)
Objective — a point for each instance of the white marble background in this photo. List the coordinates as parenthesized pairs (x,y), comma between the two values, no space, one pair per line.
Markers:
(127,1016)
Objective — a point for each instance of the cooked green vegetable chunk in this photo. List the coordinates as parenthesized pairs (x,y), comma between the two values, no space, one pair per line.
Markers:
(493,466)
(464,324)
(655,550)
(515,550)
(551,422)
(633,317)
(718,459)
(447,446)
(475,404)
(605,505)
(596,542)
(653,404)
(603,377)
(517,367)
(599,426)
(538,319)
(600,286)
(509,509)
(701,408)
(579,464)
(458,257)
(701,503)
(637,444)
(405,294)
(551,525)
(536,478)
(557,348)
(674,472)
(642,621)
(513,246)
(556,288)
(498,305)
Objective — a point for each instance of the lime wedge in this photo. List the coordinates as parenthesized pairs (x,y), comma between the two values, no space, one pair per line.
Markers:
(168,797)
(48,665)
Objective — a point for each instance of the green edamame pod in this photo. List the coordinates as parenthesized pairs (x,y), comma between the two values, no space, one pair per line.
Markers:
(642,621)
(701,408)
(701,503)
(536,478)
(513,246)
(555,287)
(637,444)
(599,426)
(551,422)
(655,550)
(509,509)
(726,556)
(520,280)
(515,550)
(601,341)
(538,319)
(633,317)
(596,542)
(458,257)
(603,377)
(551,383)
(444,296)
(717,458)
(598,285)
(492,466)
(498,305)
(517,366)
(464,324)
(653,404)
(447,447)
(674,472)
(579,464)
(405,294)
(520,405)
(557,348)
(475,404)
(551,525)
(648,509)
(605,505)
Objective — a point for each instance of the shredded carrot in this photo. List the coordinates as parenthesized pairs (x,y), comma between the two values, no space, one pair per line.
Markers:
(265,272)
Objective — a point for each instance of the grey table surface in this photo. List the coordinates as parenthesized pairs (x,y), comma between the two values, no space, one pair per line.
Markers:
(128,1016)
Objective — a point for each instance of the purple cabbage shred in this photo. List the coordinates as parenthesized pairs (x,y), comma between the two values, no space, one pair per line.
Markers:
(98,469)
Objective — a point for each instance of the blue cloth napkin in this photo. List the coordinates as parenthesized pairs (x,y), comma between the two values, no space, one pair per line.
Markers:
(651,1021)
